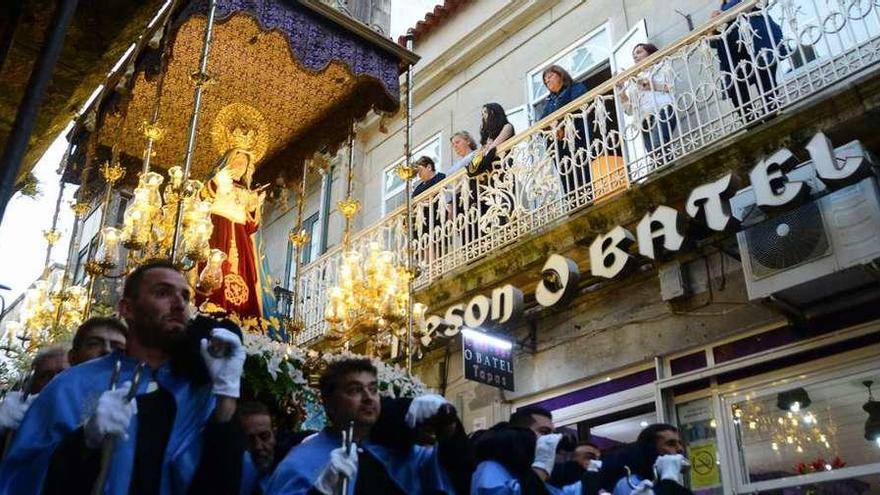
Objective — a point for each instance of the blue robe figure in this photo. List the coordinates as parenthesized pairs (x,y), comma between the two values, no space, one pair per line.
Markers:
(252,480)
(492,478)
(412,470)
(738,67)
(65,404)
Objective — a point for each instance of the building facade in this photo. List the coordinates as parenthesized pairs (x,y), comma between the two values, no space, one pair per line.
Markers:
(721,277)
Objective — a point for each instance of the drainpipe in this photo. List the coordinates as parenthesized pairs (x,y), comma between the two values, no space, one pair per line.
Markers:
(324,215)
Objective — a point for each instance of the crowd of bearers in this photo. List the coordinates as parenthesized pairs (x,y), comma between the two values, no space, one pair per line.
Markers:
(151,406)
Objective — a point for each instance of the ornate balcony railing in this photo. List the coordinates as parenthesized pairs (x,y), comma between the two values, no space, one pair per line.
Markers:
(745,66)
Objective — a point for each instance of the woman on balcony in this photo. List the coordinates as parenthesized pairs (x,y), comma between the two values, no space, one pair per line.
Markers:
(487,186)
(649,97)
(563,90)
(464,147)
(746,64)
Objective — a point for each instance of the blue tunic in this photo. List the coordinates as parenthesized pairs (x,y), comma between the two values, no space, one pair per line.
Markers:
(416,470)
(251,477)
(71,397)
(491,478)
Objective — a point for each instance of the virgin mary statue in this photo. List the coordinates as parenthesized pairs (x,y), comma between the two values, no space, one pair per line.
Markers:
(240,136)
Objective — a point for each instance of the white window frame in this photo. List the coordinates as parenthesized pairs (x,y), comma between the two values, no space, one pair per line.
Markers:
(847,364)
(417,151)
(601,406)
(530,105)
(725,435)
(513,111)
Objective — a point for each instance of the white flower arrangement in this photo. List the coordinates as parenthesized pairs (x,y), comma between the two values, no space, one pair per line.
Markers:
(278,370)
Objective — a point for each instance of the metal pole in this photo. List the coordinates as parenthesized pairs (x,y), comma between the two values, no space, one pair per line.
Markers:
(25,118)
(50,234)
(407,151)
(201,80)
(160,84)
(301,240)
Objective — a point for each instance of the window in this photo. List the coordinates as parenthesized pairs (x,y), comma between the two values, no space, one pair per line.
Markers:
(579,59)
(698,428)
(519,117)
(611,431)
(393,189)
(811,427)
(310,250)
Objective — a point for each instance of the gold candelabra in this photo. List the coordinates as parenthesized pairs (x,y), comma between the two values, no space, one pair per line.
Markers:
(371,298)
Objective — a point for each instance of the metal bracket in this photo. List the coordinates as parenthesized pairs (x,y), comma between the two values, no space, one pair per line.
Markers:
(530,342)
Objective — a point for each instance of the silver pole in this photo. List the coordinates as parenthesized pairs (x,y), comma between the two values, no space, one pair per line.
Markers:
(407,145)
(201,80)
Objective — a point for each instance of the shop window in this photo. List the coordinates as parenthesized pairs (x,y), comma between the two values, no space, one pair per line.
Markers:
(611,431)
(698,428)
(394,189)
(813,434)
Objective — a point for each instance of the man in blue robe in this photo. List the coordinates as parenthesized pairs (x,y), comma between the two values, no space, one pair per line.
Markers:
(349,391)
(175,437)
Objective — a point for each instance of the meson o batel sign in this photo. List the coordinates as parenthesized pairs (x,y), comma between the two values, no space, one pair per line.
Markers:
(661,232)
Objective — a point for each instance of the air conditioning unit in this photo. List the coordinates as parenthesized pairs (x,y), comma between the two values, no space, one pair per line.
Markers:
(814,251)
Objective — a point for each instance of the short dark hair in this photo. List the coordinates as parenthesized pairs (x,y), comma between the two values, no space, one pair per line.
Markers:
(95,322)
(522,417)
(646,448)
(338,369)
(587,443)
(426,161)
(252,408)
(648,436)
(132,286)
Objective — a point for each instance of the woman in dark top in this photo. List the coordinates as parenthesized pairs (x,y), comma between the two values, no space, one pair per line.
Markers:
(740,70)
(494,130)
(563,90)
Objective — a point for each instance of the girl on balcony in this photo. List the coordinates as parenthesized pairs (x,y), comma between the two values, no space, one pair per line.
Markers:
(649,96)
(491,191)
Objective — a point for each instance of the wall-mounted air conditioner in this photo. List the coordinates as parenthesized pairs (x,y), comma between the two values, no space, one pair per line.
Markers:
(813,251)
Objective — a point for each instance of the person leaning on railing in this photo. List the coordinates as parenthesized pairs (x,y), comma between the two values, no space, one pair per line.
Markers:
(649,96)
(494,130)
(563,90)
(465,147)
(734,59)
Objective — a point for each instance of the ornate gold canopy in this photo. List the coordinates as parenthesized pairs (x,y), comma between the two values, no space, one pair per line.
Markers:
(249,67)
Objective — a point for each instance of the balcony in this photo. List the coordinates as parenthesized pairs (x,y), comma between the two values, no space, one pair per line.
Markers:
(759,62)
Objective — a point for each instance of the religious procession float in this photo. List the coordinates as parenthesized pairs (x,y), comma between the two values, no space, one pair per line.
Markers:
(219,108)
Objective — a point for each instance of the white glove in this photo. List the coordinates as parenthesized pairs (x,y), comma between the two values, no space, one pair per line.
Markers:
(669,466)
(225,370)
(424,407)
(545,452)
(594,466)
(645,487)
(341,465)
(112,416)
(12,410)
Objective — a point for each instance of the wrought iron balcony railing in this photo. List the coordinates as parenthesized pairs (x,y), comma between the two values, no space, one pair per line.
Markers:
(745,66)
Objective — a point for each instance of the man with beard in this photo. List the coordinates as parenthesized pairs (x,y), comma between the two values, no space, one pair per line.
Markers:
(259,433)
(349,391)
(175,436)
